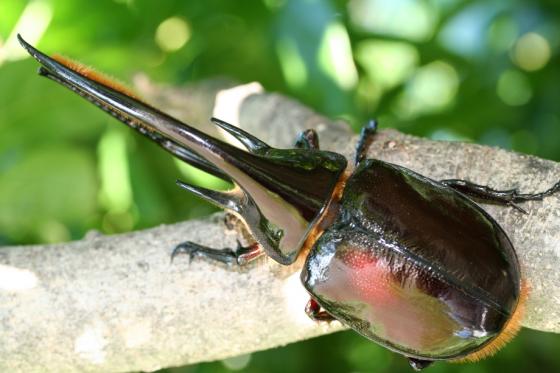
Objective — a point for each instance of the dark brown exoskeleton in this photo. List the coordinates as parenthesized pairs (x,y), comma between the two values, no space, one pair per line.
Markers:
(411,263)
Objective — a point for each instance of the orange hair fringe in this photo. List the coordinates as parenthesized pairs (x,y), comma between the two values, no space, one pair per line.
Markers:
(327,215)
(511,328)
(90,73)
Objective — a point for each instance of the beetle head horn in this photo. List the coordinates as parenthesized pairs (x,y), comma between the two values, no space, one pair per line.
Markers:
(279,193)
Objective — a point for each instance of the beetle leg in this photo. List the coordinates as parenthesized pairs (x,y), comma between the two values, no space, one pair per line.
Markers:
(508,197)
(419,364)
(307,139)
(241,256)
(366,138)
(235,223)
(316,313)
(231,221)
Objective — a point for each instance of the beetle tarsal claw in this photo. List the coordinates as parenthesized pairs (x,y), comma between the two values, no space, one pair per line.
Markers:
(231,200)
(192,249)
(518,208)
(253,144)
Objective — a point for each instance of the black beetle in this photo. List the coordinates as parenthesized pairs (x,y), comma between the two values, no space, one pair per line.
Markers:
(411,263)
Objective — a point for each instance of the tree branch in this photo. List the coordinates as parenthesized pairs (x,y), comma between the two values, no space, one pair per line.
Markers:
(117,304)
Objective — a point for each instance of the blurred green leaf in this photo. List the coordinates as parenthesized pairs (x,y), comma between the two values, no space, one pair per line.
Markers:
(51,185)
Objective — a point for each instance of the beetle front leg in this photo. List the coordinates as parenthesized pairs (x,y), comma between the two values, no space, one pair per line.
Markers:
(511,197)
(307,139)
(366,138)
(316,313)
(241,256)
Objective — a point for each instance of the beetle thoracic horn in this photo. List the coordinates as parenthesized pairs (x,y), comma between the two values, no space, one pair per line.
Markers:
(250,142)
(290,187)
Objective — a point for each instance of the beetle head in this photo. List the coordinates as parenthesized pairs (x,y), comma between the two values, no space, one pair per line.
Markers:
(279,193)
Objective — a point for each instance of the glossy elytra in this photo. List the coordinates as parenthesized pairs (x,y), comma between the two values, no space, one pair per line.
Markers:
(409,262)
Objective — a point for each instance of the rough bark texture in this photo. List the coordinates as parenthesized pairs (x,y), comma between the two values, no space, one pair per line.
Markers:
(117,304)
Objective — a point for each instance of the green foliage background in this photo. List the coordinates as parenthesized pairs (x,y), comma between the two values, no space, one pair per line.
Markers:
(484,71)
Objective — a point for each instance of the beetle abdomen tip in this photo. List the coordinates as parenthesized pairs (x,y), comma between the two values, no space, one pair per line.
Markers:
(509,331)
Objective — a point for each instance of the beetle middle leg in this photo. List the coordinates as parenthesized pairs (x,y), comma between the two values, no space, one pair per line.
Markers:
(366,138)
(241,256)
(510,197)
(307,139)
(316,313)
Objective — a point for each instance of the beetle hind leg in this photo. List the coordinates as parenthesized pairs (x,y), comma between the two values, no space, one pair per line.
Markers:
(511,197)
(366,138)
(419,364)
(241,256)
(316,313)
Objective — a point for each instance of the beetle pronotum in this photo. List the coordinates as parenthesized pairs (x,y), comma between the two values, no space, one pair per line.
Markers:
(409,262)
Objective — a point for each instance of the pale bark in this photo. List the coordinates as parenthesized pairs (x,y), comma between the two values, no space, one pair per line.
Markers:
(116,303)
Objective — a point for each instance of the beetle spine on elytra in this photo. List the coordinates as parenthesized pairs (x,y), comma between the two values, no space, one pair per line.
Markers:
(409,262)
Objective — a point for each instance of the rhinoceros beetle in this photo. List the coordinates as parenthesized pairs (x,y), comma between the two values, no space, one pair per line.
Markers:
(411,263)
